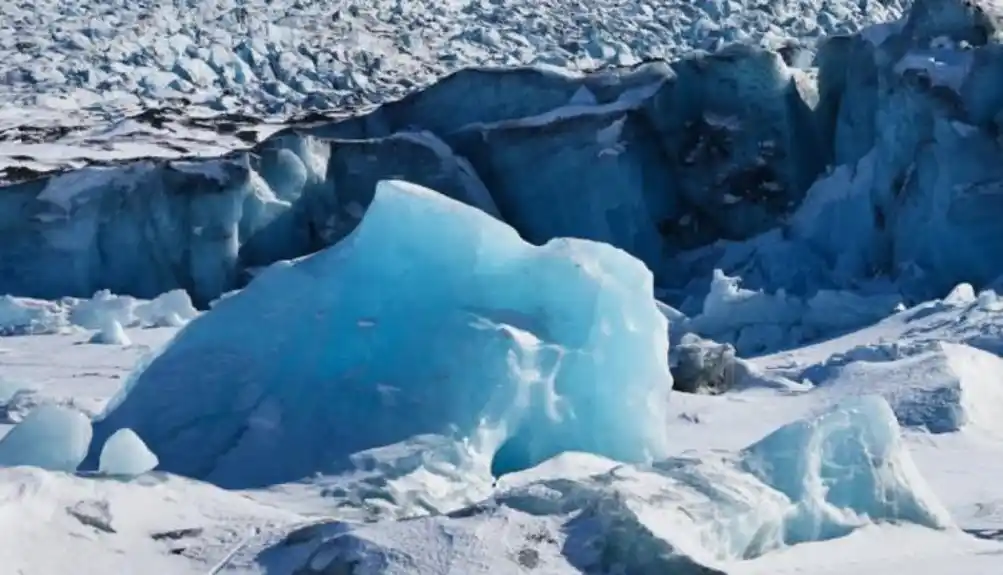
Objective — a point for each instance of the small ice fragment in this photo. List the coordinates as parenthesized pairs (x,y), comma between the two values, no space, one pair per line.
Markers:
(962,295)
(112,334)
(125,454)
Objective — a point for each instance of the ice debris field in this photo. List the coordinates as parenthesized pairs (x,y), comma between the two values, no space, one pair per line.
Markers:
(386,288)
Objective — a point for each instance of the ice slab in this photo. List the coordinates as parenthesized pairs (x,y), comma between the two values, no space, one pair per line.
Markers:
(125,454)
(50,437)
(431,317)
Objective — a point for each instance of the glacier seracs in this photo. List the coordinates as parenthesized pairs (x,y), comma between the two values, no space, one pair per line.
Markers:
(430,318)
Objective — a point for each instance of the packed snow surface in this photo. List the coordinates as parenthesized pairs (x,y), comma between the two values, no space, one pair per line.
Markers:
(520,352)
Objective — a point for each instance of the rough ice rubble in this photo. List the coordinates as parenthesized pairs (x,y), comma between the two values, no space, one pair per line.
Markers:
(755,321)
(50,437)
(431,317)
(275,57)
(27,316)
(124,453)
(811,480)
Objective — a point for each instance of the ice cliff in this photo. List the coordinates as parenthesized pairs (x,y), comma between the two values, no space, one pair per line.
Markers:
(875,172)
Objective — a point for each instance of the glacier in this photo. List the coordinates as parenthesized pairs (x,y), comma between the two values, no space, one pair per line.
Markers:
(431,317)
(879,182)
(125,454)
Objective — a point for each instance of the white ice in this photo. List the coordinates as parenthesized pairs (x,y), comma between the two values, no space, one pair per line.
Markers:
(125,454)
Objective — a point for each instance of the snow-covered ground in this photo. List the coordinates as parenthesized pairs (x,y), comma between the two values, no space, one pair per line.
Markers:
(174,525)
(86,80)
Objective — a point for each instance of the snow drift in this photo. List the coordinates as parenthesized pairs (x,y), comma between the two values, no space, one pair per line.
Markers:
(430,318)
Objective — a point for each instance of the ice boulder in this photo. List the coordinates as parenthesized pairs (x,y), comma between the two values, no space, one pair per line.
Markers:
(431,317)
(702,366)
(111,333)
(50,437)
(843,469)
(125,454)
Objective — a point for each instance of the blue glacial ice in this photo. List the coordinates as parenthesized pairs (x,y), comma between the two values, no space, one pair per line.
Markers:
(124,453)
(50,437)
(431,317)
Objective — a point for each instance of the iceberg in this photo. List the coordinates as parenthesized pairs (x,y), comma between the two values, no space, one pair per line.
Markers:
(50,437)
(431,317)
(125,454)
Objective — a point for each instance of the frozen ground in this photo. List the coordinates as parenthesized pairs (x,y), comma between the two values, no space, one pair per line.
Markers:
(85,80)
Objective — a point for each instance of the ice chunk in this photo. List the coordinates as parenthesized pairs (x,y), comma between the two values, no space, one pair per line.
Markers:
(963,295)
(125,454)
(845,468)
(431,317)
(50,437)
(703,366)
(111,333)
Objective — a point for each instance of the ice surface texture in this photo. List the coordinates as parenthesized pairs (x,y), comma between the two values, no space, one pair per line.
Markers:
(125,454)
(431,317)
(811,480)
(50,437)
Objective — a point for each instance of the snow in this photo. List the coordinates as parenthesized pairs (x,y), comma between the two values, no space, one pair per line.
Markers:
(536,350)
(50,437)
(125,454)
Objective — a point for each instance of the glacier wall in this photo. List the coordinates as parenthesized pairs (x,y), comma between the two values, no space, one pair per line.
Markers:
(653,159)
(876,171)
